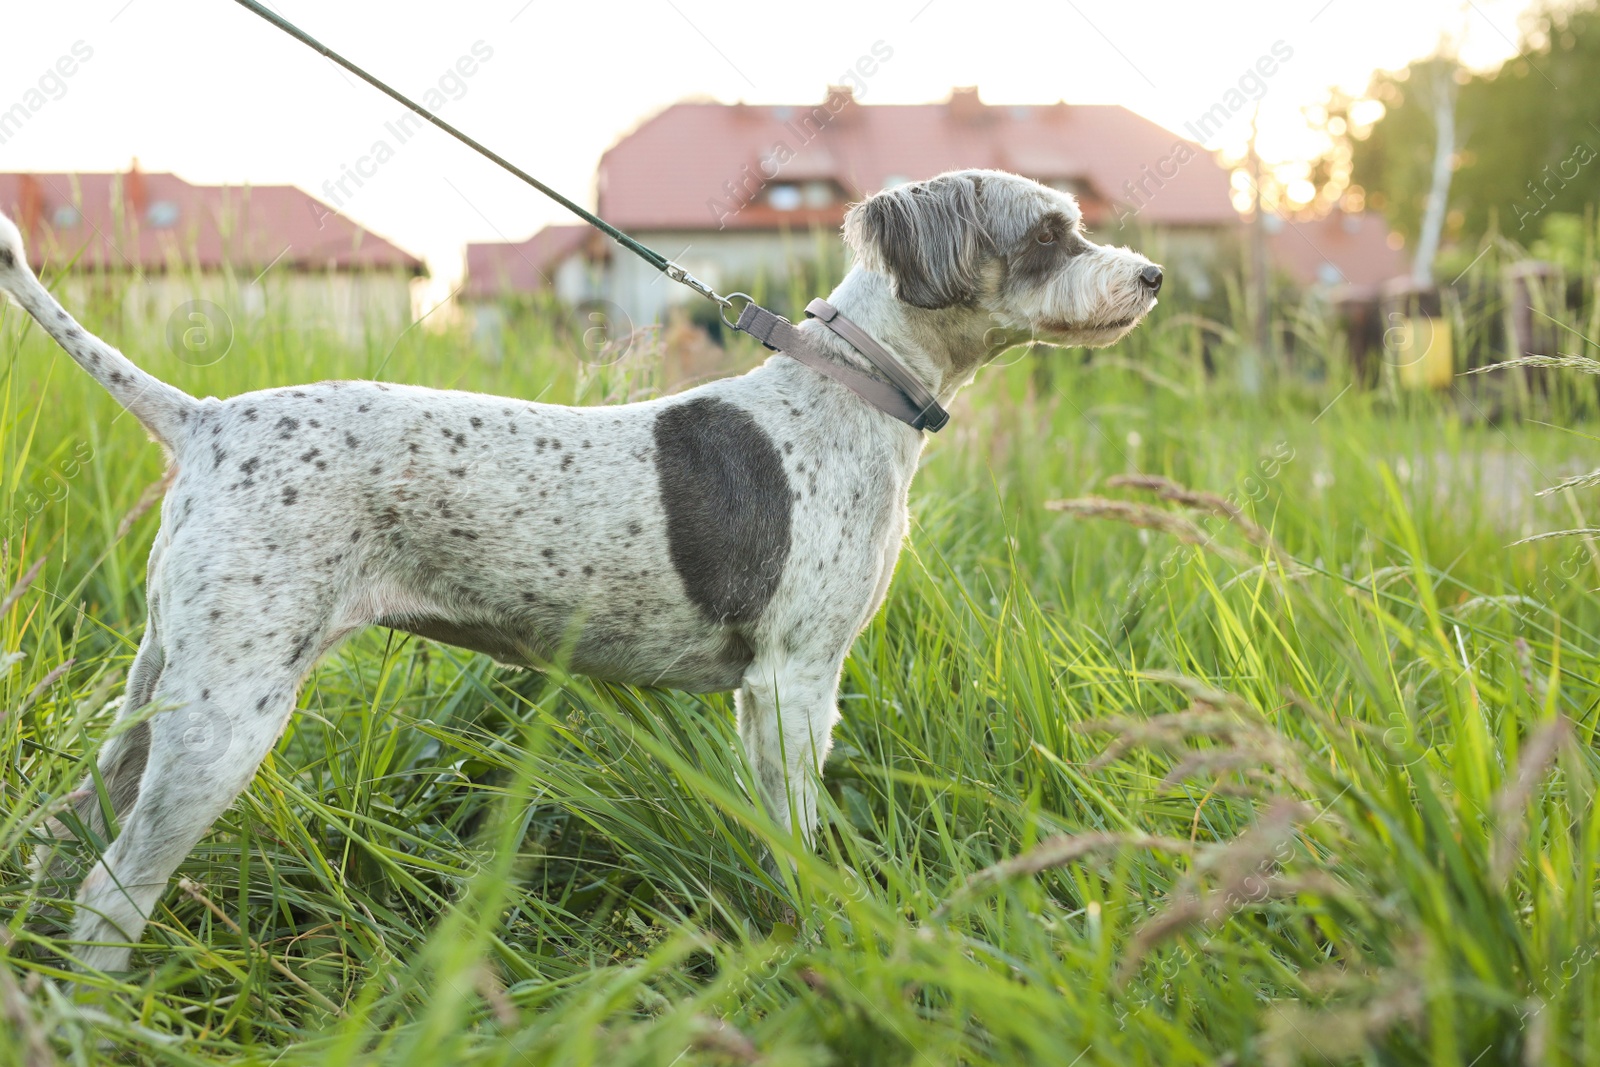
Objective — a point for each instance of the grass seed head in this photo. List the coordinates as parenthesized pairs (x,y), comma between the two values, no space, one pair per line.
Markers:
(1200,500)
(1511,802)
(1581,364)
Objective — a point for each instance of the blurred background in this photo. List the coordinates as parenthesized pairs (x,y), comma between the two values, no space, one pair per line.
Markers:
(1274,582)
(1403,188)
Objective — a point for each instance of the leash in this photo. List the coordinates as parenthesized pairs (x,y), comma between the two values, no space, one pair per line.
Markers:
(904,396)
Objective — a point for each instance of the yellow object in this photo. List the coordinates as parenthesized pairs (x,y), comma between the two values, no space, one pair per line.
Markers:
(1424,353)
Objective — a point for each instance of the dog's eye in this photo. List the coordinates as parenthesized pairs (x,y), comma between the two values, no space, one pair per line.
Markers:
(1047,238)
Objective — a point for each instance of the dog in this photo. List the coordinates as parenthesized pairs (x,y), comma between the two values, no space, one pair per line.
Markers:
(736,536)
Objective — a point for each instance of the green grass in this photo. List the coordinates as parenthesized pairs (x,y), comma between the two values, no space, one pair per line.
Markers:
(1333,808)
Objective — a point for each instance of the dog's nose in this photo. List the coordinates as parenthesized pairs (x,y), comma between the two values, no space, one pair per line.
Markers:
(1151,277)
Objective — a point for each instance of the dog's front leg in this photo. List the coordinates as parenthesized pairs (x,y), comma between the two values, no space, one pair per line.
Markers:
(787,708)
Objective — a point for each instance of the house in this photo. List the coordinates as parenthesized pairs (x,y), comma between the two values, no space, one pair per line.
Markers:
(153,242)
(555,260)
(1355,251)
(731,190)
(566,262)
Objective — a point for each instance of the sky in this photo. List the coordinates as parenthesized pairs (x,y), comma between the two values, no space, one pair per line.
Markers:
(212,93)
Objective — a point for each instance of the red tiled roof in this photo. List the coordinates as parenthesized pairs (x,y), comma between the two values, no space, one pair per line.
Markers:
(154,222)
(672,171)
(1356,246)
(500,267)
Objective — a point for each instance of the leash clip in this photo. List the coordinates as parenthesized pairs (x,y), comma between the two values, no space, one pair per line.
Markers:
(682,276)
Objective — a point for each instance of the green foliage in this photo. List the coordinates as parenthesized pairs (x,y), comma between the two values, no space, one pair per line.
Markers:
(1567,240)
(1301,772)
(1529,145)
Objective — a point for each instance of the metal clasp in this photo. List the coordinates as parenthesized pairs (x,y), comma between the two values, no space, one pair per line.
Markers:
(679,274)
(727,306)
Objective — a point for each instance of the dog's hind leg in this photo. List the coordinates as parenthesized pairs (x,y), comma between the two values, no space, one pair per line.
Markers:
(201,755)
(120,768)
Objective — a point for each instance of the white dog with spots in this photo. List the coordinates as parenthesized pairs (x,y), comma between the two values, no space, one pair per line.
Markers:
(735,536)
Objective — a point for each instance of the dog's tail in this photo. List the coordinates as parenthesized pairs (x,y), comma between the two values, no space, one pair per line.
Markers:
(162,408)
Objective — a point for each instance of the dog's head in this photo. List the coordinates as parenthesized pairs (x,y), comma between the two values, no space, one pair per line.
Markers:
(1005,247)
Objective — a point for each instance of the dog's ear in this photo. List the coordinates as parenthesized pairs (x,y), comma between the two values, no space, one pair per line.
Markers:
(928,237)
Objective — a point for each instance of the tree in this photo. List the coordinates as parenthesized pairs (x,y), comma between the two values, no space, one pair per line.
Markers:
(1527,134)
(1442,97)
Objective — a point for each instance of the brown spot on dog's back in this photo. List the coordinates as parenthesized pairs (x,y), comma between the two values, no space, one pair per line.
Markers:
(727,506)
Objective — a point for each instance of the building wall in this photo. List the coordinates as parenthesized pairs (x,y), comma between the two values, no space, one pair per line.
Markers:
(718,258)
(578,281)
(350,305)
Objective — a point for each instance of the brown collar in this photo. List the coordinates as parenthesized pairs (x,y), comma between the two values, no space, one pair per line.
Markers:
(903,395)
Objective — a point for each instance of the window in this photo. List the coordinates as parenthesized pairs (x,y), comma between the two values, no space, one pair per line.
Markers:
(893,180)
(253,299)
(819,194)
(163,214)
(1074,186)
(65,217)
(784,197)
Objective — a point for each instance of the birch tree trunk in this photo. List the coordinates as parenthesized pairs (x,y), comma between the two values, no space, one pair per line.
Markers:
(1444,150)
